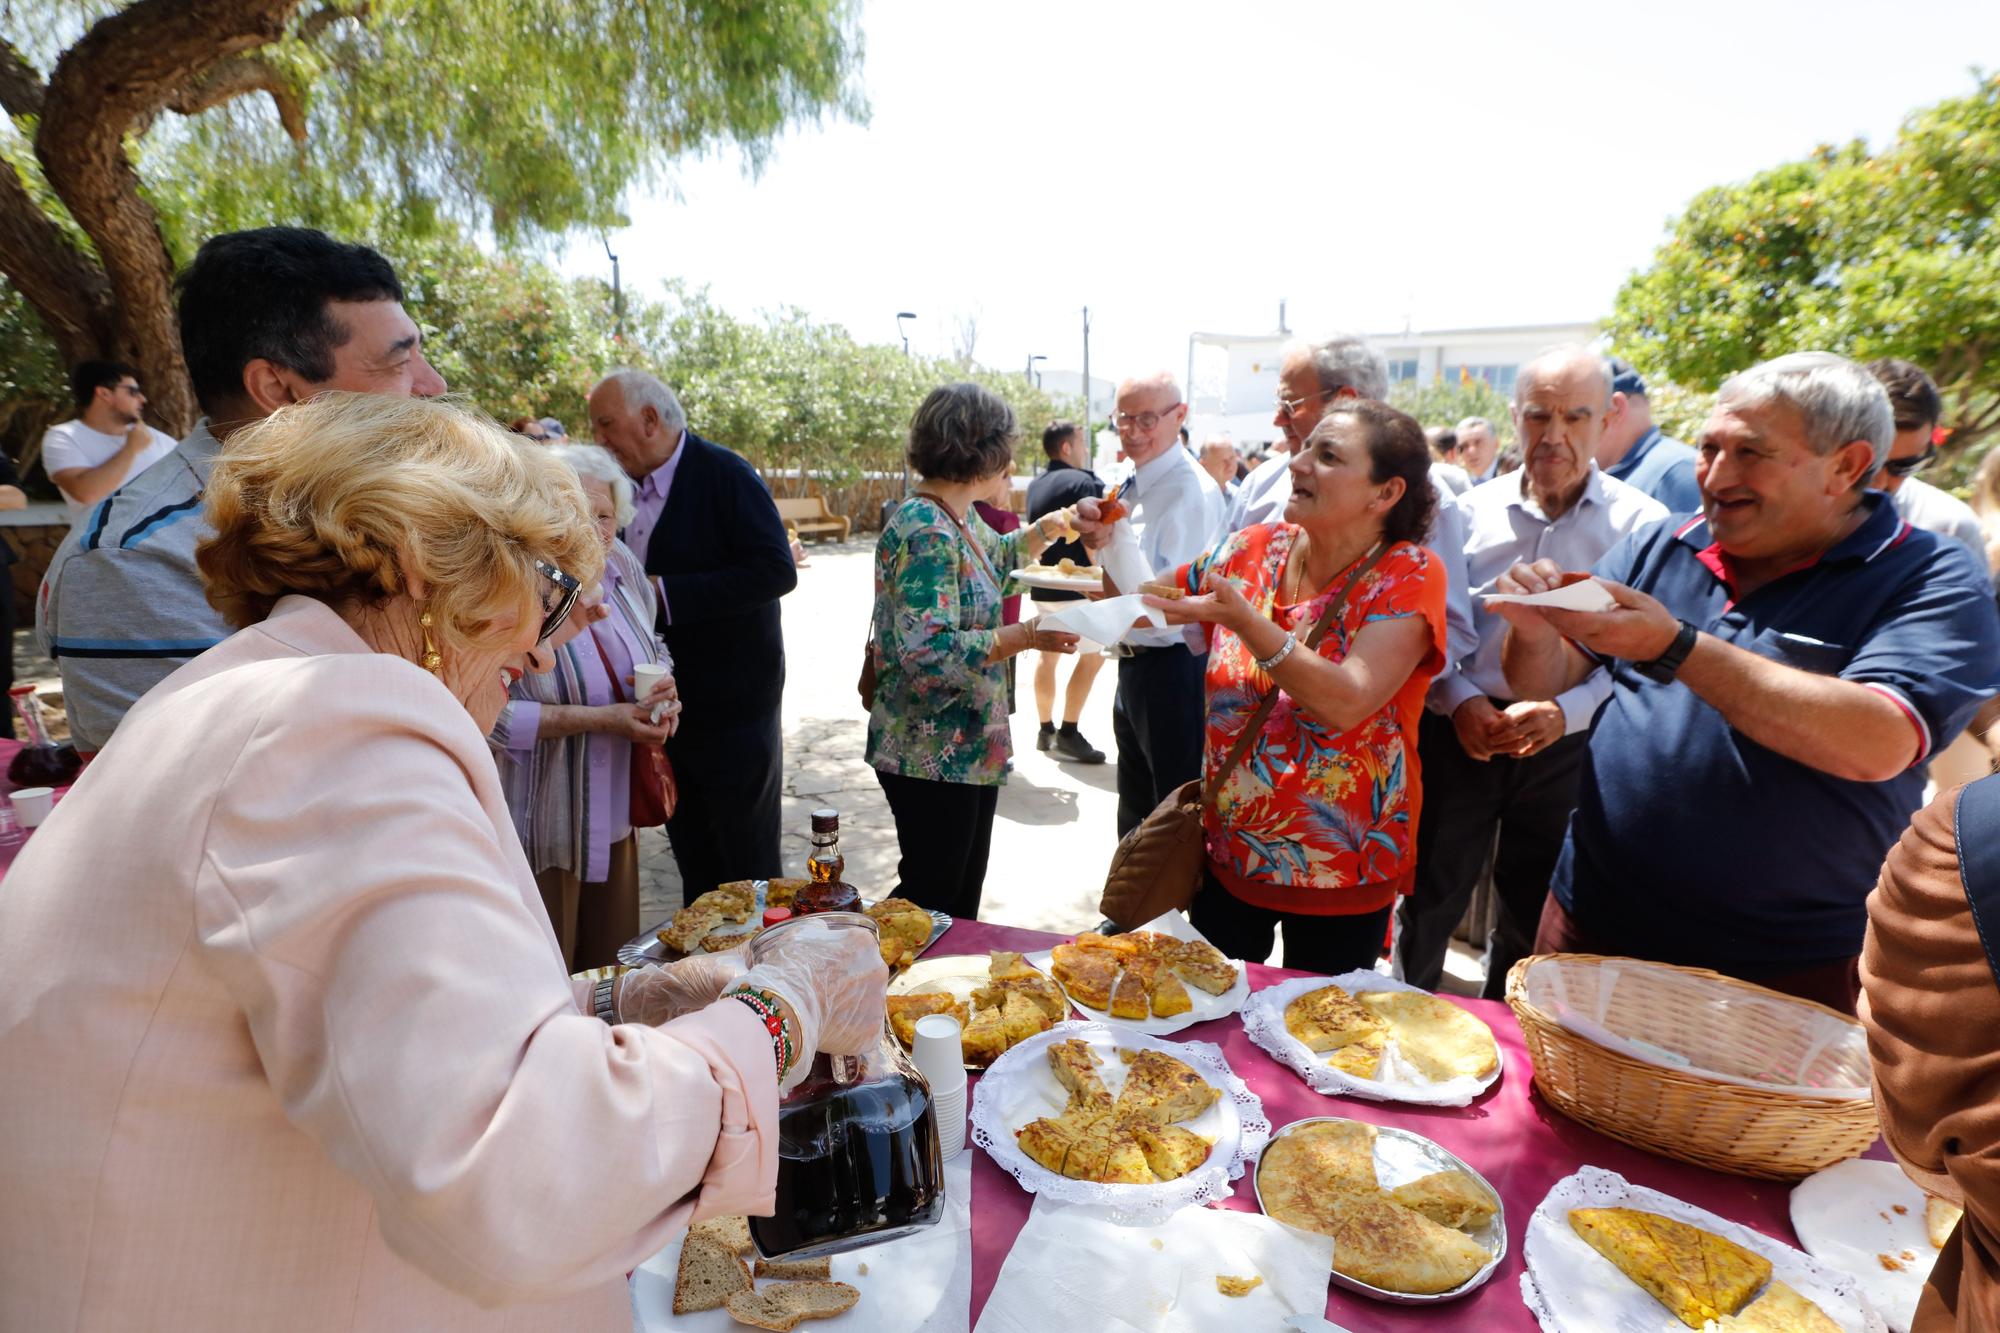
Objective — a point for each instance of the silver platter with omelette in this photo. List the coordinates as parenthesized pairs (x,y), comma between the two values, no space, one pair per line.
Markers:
(1411,1223)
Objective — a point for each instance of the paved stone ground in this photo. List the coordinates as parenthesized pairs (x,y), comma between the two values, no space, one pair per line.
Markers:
(1055,828)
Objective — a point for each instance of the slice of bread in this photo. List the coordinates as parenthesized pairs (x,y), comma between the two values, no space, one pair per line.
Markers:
(783,1305)
(708,1277)
(731,1233)
(794,1268)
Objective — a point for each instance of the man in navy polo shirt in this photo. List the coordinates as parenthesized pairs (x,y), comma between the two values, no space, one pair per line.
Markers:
(1781,666)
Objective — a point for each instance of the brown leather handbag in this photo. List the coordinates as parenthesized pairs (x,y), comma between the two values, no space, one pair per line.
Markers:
(654,790)
(1157,867)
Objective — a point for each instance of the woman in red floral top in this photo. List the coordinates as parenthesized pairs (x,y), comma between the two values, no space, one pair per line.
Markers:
(1317,829)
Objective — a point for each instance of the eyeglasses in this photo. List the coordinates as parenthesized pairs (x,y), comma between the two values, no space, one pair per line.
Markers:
(1915,463)
(553,618)
(1289,407)
(1125,421)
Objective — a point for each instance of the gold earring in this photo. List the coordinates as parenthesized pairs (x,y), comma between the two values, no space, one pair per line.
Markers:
(433,660)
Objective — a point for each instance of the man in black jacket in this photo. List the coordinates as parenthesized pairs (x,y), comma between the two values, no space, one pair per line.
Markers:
(713,544)
(1068,480)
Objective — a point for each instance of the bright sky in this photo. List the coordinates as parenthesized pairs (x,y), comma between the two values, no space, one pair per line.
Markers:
(1183,166)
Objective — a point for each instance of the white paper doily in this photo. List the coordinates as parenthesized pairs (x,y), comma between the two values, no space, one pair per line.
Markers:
(1264,1020)
(1021,1088)
(1571,1288)
(1206,1007)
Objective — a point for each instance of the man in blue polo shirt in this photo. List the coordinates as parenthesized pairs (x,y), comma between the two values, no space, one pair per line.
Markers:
(1640,454)
(1780,666)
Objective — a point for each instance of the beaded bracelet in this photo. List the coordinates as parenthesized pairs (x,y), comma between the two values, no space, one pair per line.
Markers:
(765,1006)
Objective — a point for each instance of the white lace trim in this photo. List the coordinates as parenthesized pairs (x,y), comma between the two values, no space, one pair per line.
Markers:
(997,1113)
(1264,1020)
(1570,1288)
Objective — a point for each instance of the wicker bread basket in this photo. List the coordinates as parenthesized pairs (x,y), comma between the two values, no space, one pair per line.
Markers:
(1717,1023)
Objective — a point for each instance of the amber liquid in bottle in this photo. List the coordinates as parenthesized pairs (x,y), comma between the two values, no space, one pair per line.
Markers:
(827,892)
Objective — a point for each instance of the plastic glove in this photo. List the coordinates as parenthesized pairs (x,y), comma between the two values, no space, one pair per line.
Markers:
(655,995)
(833,980)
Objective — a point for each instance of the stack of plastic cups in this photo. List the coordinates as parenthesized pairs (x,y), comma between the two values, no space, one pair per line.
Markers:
(940,1058)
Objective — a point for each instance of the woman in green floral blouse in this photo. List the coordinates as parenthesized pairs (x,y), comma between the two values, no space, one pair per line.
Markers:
(938,732)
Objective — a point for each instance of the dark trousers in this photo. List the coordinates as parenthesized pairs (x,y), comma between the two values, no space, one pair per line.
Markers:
(725,825)
(6,640)
(1156,718)
(1326,944)
(1835,984)
(1528,803)
(944,831)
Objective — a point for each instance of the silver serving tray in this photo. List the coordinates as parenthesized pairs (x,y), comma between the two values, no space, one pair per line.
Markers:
(648,948)
(1430,1157)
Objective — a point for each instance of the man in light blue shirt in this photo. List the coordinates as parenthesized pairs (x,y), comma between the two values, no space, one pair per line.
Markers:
(1175,508)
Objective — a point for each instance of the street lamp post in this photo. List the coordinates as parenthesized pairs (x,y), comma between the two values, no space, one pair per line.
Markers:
(617,293)
(1034,376)
(902,315)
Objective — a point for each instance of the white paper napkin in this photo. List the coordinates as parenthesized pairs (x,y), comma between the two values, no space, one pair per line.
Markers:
(1586,595)
(919,1284)
(1102,623)
(1072,1269)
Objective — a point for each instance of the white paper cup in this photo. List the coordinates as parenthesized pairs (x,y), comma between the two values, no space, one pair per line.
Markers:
(32,805)
(950,1108)
(938,1053)
(644,677)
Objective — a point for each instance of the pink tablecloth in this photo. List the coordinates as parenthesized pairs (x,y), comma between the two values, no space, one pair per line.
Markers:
(1510,1135)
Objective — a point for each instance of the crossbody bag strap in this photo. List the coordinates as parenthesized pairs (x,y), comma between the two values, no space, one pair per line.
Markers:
(977,553)
(1974,825)
(1241,750)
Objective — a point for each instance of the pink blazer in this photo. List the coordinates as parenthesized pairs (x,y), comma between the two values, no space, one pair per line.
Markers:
(286,1041)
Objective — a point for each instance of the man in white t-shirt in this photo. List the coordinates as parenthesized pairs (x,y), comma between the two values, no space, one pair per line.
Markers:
(107,444)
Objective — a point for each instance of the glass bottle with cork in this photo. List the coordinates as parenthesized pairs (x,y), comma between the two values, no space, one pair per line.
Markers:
(826,891)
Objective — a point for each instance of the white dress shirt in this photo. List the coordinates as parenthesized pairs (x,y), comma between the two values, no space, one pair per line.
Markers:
(1923,505)
(1261,496)
(1174,508)
(1505,526)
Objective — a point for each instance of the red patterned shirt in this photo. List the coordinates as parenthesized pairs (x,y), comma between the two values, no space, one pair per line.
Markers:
(1313,820)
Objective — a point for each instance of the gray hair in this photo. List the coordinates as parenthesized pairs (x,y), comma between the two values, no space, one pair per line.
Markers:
(1476,423)
(638,389)
(1563,354)
(593,462)
(1346,361)
(1839,400)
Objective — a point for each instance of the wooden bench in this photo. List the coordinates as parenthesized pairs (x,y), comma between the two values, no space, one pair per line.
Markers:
(807,516)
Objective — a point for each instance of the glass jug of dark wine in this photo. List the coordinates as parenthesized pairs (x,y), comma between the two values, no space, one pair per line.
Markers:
(858,1159)
(41,762)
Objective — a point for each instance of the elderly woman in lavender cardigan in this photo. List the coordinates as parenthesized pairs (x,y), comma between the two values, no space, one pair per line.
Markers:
(565,741)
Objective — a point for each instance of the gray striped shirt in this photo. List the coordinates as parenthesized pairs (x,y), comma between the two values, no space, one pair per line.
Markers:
(121,607)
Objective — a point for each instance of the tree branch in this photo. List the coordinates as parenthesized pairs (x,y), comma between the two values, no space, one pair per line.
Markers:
(63,286)
(326,16)
(245,74)
(21,87)
(121,73)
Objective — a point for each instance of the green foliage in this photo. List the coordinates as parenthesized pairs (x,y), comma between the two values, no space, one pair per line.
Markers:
(1446,402)
(1678,411)
(1889,253)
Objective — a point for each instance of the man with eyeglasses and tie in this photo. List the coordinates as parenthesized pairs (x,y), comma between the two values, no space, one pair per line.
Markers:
(1174,510)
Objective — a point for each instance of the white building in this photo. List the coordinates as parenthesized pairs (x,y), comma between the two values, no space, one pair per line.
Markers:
(1233,378)
(1069,383)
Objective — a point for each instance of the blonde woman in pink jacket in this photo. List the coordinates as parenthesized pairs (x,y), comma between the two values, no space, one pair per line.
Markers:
(286,1039)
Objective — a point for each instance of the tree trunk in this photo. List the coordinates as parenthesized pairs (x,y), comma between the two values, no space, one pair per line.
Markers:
(121,74)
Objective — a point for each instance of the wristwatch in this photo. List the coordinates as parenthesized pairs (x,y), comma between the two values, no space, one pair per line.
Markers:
(1668,664)
(602,999)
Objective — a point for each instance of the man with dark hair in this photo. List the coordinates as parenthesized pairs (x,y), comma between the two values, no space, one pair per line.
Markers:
(268,317)
(1636,452)
(1916,406)
(1067,480)
(106,444)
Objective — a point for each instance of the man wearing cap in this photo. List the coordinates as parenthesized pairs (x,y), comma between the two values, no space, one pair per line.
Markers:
(1780,667)
(1638,453)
